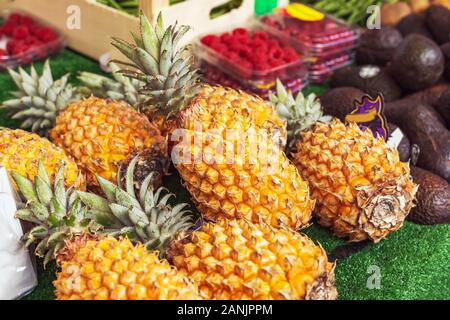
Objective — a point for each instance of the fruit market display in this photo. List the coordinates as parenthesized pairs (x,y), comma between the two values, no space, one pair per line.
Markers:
(126,190)
(26,39)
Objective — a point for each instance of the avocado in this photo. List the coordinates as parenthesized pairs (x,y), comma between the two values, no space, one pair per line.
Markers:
(377,46)
(432,198)
(438,22)
(446,51)
(369,78)
(339,102)
(414,23)
(443,107)
(422,126)
(417,63)
(404,147)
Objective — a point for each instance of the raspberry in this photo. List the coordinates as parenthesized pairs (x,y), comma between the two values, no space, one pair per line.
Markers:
(274,62)
(21,33)
(240,32)
(226,38)
(15,17)
(33,41)
(8,28)
(290,55)
(19,48)
(45,34)
(219,47)
(258,58)
(263,66)
(259,45)
(27,21)
(10,46)
(209,39)
(260,36)
(276,53)
(3,53)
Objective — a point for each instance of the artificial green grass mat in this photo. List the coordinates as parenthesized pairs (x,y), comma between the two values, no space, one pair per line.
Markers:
(413,262)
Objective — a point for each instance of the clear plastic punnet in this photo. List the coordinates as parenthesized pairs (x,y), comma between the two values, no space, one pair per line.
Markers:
(320,38)
(17,267)
(25,39)
(253,66)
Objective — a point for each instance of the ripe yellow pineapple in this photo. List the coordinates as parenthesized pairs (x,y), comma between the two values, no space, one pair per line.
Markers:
(362,189)
(100,134)
(240,188)
(20,151)
(111,269)
(97,133)
(235,259)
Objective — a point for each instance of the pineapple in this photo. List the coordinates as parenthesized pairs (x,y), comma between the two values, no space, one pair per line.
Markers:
(97,133)
(120,88)
(239,260)
(20,151)
(260,189)
(233,259)
(363,190)
(111,269)
(64,220)
(299,113)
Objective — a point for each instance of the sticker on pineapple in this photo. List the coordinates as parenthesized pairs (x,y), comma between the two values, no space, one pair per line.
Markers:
(369,115)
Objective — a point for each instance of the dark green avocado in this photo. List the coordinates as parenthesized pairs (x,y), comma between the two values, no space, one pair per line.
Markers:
(438,22)
(417,63)
(368,78)
(414,23)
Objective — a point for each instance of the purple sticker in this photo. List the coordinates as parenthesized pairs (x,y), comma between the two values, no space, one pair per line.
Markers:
(369,115)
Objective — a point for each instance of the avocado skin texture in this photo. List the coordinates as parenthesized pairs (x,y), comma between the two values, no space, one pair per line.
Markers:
(378,45)
(414,23)
(417,63)
(438,22)
(432,198)
(382,82)
(422,125)
(339,102)
(443,107)
(446,51)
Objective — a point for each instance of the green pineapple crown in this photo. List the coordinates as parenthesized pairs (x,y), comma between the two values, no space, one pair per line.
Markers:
(59,215)
(300,112)
(170,81)
(56,213)
(38,98)
(119,88)
(146,218)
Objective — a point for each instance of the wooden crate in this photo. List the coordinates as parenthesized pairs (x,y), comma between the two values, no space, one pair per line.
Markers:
(99,22)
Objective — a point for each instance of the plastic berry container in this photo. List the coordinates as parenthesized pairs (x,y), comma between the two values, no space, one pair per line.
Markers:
(322,68)
(25,39)
(250,59)
(314,38)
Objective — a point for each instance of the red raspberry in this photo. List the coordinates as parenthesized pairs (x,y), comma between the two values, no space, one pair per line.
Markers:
(272,43)
(15,17)
(209,39)
(276,53)
(263,66)
(259,45)
(226,38)
(21,33)
(19,48)
(290,55)
(219,47)
(240,32)
(274,62)
(27,21)
(3,53)
(260,35)
(8,28)
(33,41)
(45,34)
(258,58)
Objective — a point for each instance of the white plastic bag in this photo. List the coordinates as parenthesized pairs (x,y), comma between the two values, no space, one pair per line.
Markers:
(17,273)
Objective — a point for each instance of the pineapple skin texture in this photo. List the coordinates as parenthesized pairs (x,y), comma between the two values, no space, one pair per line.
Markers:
(101,133)
(249,187)
(111,269)
(20,152)
(362,189)
(239,260)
